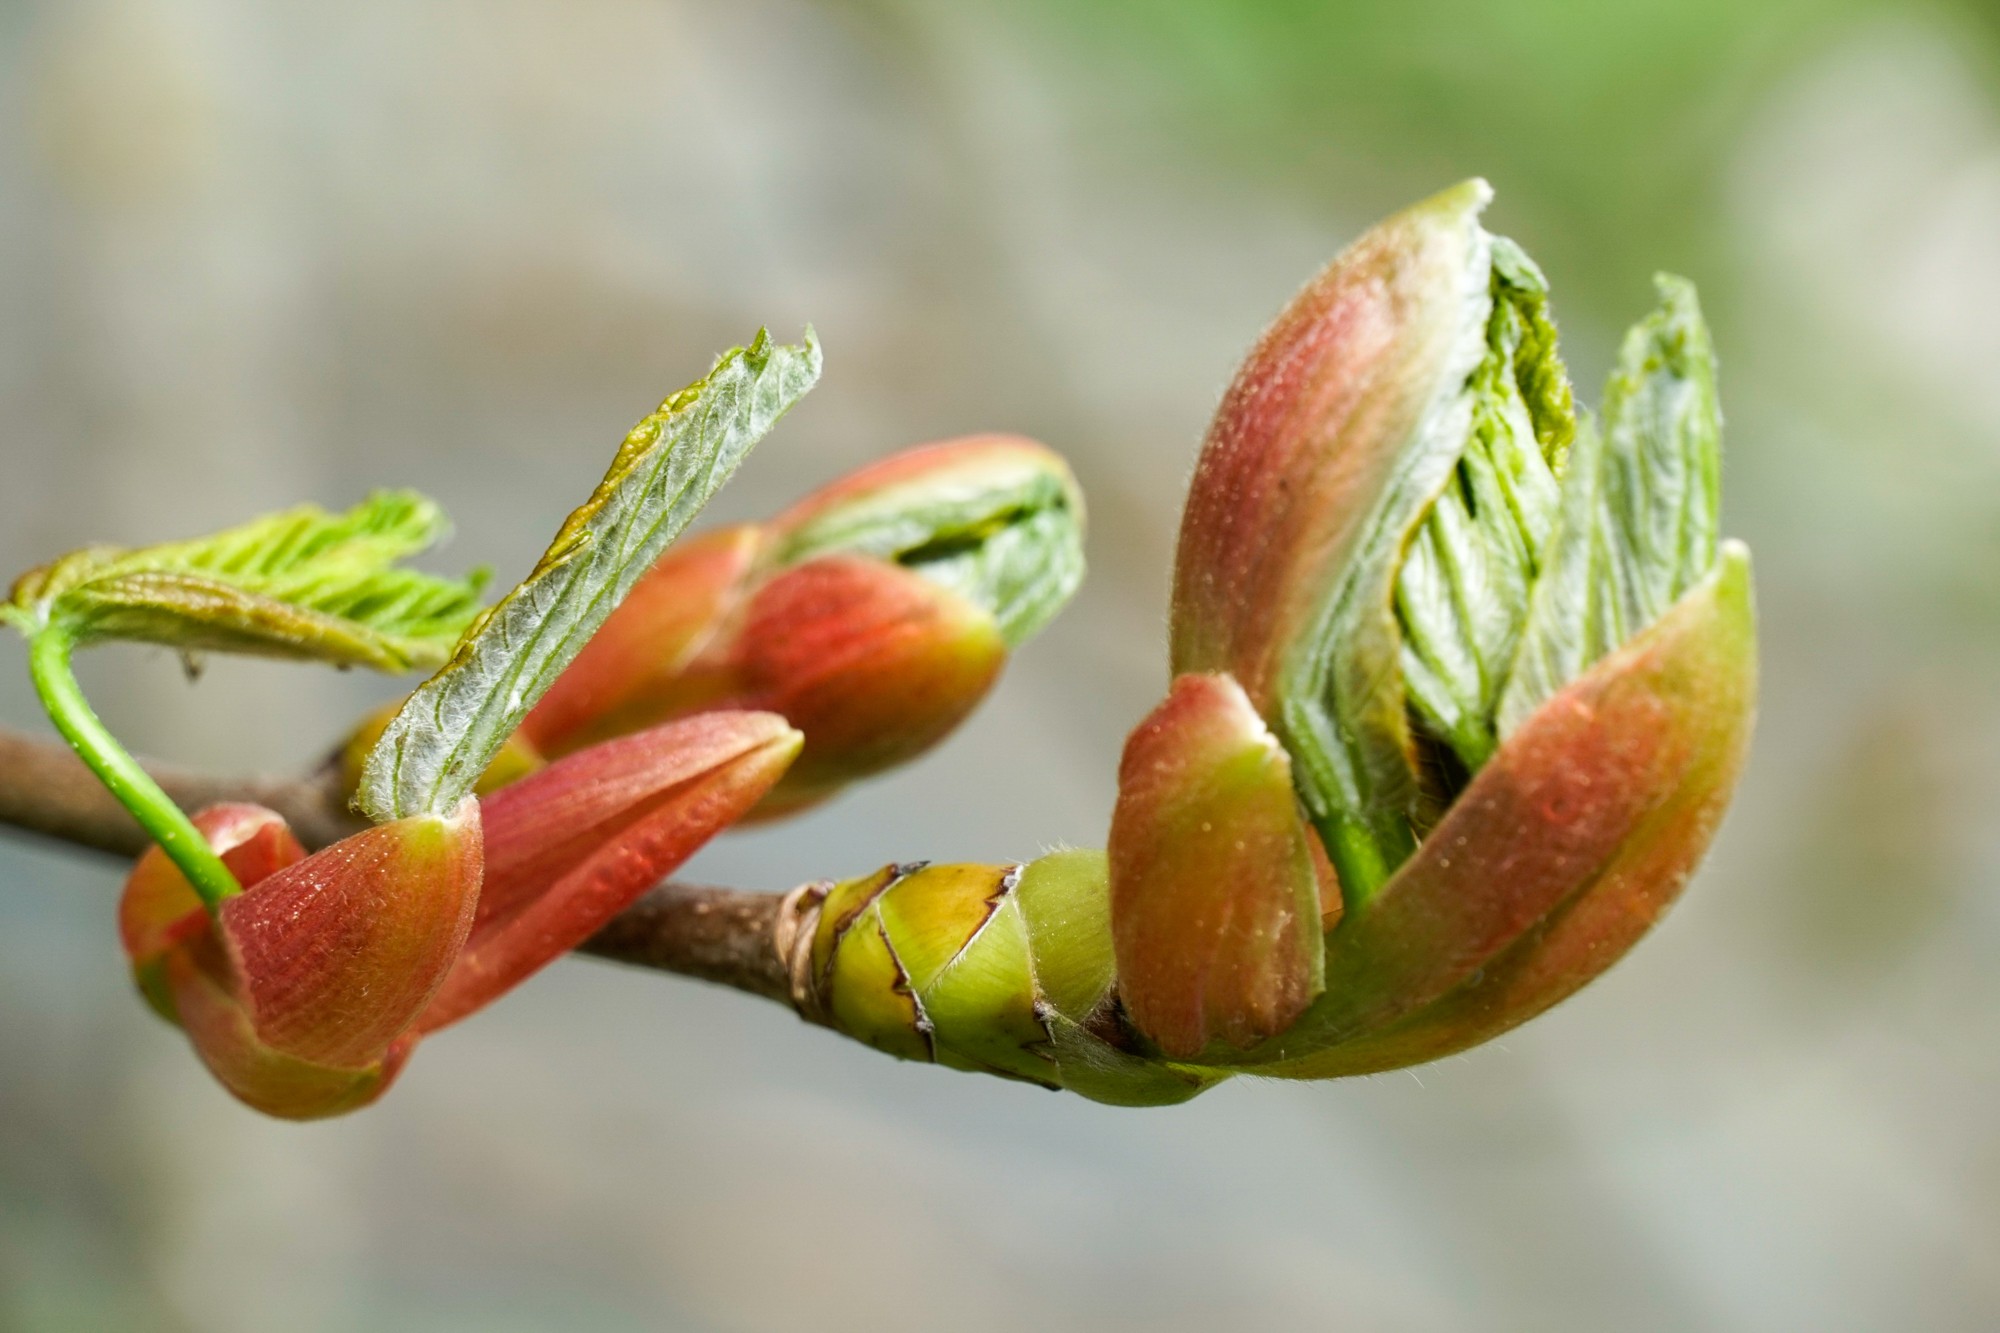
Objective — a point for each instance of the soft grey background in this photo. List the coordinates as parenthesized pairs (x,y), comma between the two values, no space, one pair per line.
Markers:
(252,253)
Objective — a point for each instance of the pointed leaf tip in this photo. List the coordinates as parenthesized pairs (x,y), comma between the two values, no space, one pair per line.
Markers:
(667,468)
(571,846)
(301,583)
(1340,427)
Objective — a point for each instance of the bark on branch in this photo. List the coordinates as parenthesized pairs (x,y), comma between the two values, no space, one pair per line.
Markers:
(720,935)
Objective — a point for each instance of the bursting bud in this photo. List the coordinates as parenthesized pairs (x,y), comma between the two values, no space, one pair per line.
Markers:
(1509,665)
(304,982)
(874,616)
(298,991)
(306,993)
(1462,683)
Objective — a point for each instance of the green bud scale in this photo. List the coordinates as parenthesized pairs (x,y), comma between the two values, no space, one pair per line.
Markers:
(1463,682)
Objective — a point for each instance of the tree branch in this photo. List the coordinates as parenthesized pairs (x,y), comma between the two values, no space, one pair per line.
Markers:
(46,789)
(720,935)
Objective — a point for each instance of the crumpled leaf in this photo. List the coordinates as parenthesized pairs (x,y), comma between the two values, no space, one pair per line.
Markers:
(1463,590)
(301,583)
(1640,506)
(1340,428)
(1561,853)
(997,519)
(434,750)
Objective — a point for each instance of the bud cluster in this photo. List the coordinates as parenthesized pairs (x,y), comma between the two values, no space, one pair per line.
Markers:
(1462,683)
(306,992)
(874,615)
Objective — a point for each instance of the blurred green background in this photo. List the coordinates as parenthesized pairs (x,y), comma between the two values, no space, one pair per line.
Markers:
(252,254)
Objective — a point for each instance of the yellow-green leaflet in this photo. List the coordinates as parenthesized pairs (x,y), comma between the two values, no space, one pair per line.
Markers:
(1642,495)
(301,583)
(669,465)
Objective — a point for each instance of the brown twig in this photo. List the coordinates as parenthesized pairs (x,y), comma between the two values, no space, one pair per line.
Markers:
(698,930)
(716,934)
(46,789)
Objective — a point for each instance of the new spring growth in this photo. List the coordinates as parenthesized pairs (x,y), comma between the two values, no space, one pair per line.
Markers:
(874,615)
(1462,681)
(303,982)
(303,584)
(306,994)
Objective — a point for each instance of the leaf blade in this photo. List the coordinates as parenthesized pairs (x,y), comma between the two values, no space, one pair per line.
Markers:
(1462,592)
(1639,518)
(301,583)
(666,469)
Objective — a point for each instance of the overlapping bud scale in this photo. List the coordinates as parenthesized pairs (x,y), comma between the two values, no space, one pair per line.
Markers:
(306,993)
(874,615)
(573,845)
(999,969)
(1463,682)
(298,991)
(1215,908)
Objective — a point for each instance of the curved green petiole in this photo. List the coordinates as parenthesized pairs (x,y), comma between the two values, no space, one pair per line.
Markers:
(49,651)
(302,584)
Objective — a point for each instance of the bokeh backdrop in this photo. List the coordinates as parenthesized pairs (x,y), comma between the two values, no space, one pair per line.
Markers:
(252,254)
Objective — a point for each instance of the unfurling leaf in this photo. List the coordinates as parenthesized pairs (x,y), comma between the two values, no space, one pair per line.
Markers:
(300,584)
(669,465)
(1559,854)
(997,519)
(874,614)
(1640,505)
(1494,656)
(1462,592)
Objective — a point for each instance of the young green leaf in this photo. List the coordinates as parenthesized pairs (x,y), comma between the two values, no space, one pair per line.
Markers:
(1373,398)
(1462,592)
(302,583)
(669,465)
(1024,567)
(1640,502)
(1008,537)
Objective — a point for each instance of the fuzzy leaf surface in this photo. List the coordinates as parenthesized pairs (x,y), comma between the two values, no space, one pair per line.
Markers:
(1640,505)
(997,519)
(1462,592)
(301,583)
(669,466)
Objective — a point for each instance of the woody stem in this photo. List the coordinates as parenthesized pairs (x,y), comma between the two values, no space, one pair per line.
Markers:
(695,930)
